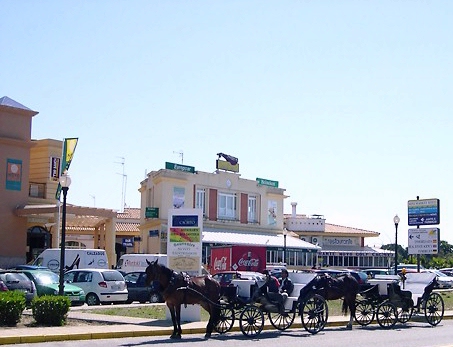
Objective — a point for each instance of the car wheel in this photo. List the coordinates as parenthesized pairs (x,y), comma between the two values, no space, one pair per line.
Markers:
(128,301)
(92,300)
(154,298)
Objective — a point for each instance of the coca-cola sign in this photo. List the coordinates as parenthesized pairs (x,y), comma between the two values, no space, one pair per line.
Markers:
(249,261)
(220,264)
(253,262)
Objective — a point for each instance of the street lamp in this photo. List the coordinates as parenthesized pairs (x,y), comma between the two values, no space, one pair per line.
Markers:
(396,220)
(285,232)
(65,182)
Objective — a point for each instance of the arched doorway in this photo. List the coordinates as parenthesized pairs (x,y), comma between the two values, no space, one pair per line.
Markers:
(38,239)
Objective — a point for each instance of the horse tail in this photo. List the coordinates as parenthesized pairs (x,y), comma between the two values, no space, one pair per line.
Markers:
(344,307)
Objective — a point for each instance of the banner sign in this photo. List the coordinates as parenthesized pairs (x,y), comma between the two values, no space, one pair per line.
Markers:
(69,147)
(13,174)
(423,212)
(264,182)
(179,167)
(55,165)
(184,240)
(423,241)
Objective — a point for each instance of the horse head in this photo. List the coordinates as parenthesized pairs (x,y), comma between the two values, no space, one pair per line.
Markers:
(152,271)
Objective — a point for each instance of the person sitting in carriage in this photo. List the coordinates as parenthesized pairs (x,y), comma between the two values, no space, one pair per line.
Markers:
(270,289)
(286,285)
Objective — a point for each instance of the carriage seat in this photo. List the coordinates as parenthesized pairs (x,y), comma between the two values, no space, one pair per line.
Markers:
(300,280)
(395,292)
(382,284)
(417,283)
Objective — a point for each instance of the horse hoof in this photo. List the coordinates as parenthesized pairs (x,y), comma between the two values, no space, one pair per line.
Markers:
(207,336)
(176,337)
(348,327)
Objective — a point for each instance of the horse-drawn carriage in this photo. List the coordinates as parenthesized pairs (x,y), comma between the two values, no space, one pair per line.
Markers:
(389,302)
(244,302)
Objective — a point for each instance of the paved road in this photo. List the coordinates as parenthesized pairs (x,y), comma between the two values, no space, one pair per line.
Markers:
(412,334)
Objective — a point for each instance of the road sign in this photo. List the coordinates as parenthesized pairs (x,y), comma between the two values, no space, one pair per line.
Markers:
(423,241)
(423,212)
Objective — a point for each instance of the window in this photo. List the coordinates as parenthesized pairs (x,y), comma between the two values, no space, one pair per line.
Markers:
(251,216)
(227,206)
(200,200)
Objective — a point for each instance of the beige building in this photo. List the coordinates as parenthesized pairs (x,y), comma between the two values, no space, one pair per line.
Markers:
(29,171)
(235,211)
(342,247)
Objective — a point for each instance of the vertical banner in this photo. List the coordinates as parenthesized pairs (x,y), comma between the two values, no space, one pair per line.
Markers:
(13,174)
(69,147)
(184,240)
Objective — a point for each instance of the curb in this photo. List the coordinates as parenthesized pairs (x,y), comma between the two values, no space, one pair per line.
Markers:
(68,336)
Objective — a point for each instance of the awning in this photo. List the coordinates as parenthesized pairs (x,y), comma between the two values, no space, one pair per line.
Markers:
(233,237)
(353,250)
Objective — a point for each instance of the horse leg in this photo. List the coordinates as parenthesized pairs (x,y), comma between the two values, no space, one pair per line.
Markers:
(173,319)
(351,306)
(178,321)
(214,314)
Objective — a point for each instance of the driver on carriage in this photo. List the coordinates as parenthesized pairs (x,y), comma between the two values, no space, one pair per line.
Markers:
(270,289)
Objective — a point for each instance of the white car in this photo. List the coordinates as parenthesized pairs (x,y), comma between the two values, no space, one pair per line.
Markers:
(101,286)
(443,280)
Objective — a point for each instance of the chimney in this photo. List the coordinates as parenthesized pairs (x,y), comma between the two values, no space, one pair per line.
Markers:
(294,204)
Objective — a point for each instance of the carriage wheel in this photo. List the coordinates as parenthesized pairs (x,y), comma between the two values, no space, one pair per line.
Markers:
(434,309)
(314,314)
(226,320)
(404,314)
(282,321)
(364,312)
(386,315)
(251,320)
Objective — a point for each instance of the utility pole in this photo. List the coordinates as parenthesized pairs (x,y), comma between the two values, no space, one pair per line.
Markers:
(94,200)
(123,188)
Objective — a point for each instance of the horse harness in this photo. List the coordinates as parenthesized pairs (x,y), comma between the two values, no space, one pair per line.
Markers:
(173,284)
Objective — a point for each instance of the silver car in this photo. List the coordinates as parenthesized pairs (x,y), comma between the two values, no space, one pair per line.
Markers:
(18,281)
(101,286)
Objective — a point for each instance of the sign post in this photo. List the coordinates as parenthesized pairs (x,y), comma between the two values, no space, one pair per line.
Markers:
(184,249)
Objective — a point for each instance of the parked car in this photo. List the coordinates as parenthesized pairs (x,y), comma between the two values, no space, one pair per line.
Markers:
(18,281)
(30,267)
(443,281)
(100,285)
(47,283)
(331,272)
(360,276)
(448,271)
(139,291)
(3,287)
(225,277)
(371,273)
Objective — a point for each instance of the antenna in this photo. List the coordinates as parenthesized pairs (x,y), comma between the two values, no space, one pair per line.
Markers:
(181,154)
(94,200)
(123,188)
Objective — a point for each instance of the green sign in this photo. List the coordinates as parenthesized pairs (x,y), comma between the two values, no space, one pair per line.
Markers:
(264,182)
(152,212)
(179,167)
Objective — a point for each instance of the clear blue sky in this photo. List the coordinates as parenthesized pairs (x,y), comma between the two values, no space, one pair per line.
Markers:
(346,103)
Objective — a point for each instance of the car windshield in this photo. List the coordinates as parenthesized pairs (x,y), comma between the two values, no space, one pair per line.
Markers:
(46,277)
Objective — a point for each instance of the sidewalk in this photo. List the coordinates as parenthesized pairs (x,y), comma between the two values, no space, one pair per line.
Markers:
(121,326)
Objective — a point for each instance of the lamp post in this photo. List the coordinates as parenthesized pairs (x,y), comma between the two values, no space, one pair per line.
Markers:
(65,182)
(396,220)
(285,232)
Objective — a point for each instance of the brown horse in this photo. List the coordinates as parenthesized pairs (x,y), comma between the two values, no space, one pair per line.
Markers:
(332,288)
(181,289)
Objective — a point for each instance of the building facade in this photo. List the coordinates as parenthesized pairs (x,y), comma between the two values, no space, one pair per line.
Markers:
(235,211)
(342,247)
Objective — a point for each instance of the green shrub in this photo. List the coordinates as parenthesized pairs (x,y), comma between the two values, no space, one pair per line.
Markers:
(50,310)
(12,304)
